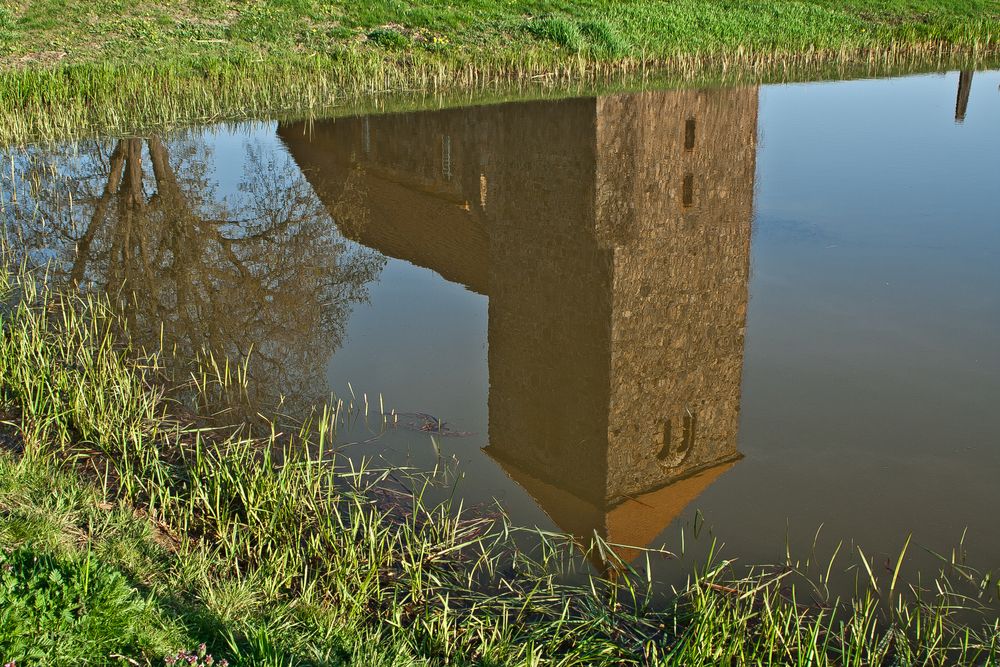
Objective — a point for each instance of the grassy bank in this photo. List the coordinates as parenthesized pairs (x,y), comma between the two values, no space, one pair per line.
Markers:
(127,531)
(109,65)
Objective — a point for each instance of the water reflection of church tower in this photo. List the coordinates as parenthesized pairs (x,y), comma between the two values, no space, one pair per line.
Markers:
(618,289)
(611,236)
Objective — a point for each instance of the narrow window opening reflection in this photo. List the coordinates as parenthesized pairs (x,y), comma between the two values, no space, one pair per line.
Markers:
(687,196)
(666,438)
(690,428)
(689,134)
(446,158)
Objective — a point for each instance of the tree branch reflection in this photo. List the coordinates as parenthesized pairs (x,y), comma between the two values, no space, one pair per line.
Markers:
(259,273)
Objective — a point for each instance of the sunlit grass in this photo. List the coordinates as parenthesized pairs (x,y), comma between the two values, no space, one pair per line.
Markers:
(78,68)
(72,68)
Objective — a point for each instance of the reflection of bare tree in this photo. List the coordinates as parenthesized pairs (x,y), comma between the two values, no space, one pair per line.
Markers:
(262,269)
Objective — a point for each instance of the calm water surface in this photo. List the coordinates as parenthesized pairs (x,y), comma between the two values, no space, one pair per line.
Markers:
(769,308)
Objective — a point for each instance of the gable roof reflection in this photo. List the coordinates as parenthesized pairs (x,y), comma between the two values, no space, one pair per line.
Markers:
(633,522)
(382,196)
(612,238)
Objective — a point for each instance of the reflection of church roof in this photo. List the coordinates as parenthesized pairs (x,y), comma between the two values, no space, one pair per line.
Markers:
(634,522)
(402,216)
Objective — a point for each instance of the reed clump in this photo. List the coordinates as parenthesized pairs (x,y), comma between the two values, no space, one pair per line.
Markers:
(311,561)
(108,98)
(70,68)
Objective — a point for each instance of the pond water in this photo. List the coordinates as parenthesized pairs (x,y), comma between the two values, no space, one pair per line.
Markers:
(759,309)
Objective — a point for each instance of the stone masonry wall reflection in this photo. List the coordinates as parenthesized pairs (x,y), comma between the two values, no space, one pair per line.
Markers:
(611,236)
(680,277)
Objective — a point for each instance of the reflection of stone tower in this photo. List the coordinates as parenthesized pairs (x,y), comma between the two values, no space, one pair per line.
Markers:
(681,264)
(618,288)
(612,238)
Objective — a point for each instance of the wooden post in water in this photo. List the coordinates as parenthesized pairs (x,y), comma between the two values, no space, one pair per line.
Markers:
(964,87)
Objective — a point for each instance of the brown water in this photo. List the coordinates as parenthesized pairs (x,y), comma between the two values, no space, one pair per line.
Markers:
(760,310)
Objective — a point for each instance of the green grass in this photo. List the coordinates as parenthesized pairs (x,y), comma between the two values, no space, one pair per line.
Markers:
(126,30)
(125,531)
(110,64)
(69,610)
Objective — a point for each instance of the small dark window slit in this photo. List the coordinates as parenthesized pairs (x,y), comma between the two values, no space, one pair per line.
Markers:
(446,157)
(689,130)
(687,196)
